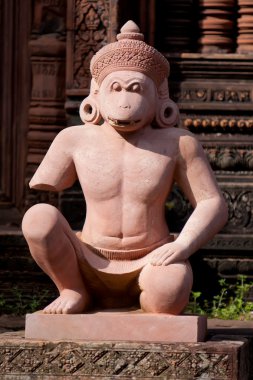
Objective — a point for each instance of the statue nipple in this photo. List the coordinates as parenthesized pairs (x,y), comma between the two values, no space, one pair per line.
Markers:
(130,31)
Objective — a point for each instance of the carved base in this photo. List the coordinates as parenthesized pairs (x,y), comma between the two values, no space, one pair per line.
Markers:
(31,360)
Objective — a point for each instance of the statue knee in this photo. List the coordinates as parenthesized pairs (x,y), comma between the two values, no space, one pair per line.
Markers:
(39,222)
(165,289)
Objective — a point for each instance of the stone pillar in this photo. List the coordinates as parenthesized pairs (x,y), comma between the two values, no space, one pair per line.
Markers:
(46,113)
(245,27)
(216,26)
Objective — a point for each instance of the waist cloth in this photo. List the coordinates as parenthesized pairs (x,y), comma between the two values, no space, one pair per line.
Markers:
(117,261)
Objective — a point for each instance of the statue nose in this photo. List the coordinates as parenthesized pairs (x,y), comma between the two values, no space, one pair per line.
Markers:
(125,106)
(123,101)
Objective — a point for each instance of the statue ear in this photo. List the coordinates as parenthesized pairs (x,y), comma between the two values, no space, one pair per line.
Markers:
(89,109)
(167,114)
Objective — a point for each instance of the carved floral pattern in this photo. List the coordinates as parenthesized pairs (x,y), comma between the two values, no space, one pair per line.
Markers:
(91,23)
(115,360)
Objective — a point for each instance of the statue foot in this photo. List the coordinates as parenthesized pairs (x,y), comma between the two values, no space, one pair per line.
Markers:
(69,302)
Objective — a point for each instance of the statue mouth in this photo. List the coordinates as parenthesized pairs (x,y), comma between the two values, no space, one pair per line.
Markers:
(121,123)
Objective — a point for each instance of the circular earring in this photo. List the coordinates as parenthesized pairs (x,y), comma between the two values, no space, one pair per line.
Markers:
(167,115)
(89,111)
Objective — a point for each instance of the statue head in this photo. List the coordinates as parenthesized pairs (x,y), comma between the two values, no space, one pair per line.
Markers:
(129,87)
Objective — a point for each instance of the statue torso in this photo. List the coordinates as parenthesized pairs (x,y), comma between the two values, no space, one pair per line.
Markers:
(127,181)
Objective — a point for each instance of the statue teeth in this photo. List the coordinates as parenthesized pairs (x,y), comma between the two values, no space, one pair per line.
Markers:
(118,122)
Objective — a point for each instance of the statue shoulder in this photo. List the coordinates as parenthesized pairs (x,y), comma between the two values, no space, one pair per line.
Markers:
(189,146)
(73,135)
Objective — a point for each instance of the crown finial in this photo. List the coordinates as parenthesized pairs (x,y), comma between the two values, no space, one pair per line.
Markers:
(130,27)
(130,31)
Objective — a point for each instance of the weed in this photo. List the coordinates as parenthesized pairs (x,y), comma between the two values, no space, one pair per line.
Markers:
(21,303)
(230,303)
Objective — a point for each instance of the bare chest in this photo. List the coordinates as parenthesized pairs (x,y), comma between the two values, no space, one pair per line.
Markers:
(106,172)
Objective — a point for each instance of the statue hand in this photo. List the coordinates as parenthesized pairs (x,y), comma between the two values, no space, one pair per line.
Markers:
(169,253)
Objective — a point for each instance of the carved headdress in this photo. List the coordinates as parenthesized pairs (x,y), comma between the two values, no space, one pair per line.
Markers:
(130,52)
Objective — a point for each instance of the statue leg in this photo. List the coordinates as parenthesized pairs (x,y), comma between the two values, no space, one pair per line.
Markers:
(165,289)
(52,245)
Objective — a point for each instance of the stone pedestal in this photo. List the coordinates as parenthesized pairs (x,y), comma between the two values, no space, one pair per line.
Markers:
(25,359)
(116,326)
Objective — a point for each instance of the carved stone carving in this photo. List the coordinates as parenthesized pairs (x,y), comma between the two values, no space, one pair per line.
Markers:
(233,159)
(46,113)
(240,204)
(120,360)
(91,24)
(232,242)
(217,123)
(234,95)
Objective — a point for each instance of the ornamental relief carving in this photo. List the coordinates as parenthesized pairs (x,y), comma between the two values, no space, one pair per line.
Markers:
(89,34)
(229,158)
(213,95)
(46,112)
(49,18)
(115,361)
(240,206)
(217,124)
(231,242)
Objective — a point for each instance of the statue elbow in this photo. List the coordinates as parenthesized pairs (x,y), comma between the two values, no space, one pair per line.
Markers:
(37,185)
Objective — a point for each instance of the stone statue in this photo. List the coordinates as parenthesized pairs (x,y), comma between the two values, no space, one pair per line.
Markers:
(127,156)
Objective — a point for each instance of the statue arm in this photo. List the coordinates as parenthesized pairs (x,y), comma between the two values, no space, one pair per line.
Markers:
(57,170)
(195,177)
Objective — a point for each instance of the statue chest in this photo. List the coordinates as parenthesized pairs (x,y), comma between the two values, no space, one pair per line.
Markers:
(107,173)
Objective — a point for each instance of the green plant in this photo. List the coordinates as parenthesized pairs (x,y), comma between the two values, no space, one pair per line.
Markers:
(21,302)
(230,303)
(194,305)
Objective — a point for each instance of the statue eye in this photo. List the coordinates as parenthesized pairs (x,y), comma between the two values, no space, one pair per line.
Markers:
(135,87)
(116,86)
